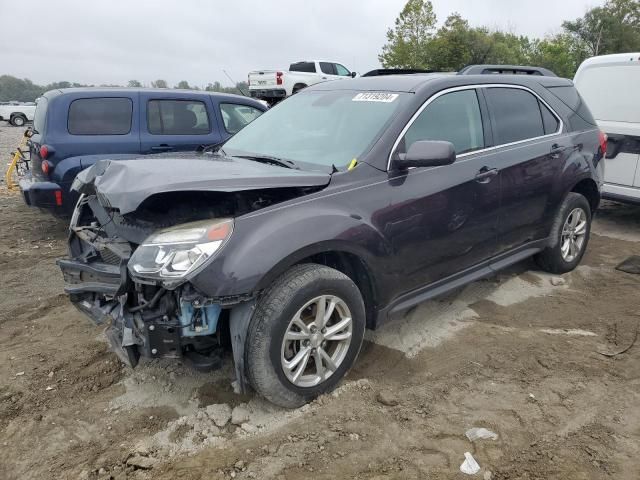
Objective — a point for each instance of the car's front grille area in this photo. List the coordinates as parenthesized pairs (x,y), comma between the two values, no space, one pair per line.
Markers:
(107,256)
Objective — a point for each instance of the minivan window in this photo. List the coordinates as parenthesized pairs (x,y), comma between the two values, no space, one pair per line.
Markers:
(177,117)
(516,115)
(235,117)
(100,116)
(453,117)
(308,67)
(39,118)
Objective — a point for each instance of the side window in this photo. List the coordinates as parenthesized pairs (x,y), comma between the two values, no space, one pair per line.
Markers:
(516,115)
(100,116)
(342,70)
(177,117)
(453,117)
(236,117)
(327,68)
(549,120)
(308,67)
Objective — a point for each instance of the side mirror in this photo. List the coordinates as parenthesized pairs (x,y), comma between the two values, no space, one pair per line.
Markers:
(354,74)
(426,153)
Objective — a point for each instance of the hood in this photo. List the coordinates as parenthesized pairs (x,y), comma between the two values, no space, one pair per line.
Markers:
(125,184)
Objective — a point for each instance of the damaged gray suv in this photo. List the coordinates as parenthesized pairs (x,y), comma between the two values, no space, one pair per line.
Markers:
(343,206)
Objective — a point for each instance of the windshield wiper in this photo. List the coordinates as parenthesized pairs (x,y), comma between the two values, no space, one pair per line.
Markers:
(272,160)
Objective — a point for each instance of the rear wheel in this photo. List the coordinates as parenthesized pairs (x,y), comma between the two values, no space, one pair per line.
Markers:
(305,334)
(18,120)
(569,235)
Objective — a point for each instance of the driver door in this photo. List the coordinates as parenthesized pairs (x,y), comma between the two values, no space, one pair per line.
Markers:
(445,218)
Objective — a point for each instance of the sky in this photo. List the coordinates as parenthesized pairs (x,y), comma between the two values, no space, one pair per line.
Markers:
(113,41)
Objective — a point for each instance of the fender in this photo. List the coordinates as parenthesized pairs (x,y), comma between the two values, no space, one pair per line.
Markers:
(259,251)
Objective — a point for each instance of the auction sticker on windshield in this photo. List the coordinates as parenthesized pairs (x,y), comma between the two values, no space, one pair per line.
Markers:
(375,97)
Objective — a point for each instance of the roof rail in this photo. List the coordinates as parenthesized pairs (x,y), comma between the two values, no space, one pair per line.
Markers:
(506,70)
(395,71)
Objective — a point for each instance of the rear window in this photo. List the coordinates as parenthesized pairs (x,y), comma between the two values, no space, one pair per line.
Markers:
(308,67)
(100,116)
(177,117)
(572,99)
(516,114)
(40,116)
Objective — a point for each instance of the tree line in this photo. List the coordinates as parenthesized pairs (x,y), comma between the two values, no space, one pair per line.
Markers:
(24,90)
(416,42)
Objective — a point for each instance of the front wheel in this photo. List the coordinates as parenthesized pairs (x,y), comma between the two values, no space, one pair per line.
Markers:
(18,121)
(569,236)
(305,334)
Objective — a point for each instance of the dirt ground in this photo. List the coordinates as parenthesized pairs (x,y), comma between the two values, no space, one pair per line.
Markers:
(516,354)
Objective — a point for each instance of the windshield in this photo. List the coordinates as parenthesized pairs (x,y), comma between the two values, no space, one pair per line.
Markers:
(319,128)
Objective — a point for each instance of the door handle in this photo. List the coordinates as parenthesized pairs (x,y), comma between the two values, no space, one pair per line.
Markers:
(556,151)
(161,148)
(486,174)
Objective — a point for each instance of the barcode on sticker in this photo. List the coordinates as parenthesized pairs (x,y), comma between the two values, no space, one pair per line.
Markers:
(375,97)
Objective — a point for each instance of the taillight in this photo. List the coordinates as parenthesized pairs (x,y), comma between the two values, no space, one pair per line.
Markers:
(46,167)
(58,195)
(603,142)
(279,78)
(44,152)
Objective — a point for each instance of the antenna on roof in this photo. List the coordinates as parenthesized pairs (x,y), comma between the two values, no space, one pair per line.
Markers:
(234,82)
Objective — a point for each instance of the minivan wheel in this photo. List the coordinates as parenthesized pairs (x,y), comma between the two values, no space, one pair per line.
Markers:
(569,234)
(18,121)
(304,335)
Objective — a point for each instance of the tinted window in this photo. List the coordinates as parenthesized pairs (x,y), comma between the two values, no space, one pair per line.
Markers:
(342,71)
(572,99)
(454,117)
(100,116)
(236,117)
(41,115)
(516,114)
(551,123)
(177,117)
(309,67)
(327,68)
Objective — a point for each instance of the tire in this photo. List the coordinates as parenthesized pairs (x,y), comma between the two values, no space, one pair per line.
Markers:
(552,259)
(18,120)
(267,350)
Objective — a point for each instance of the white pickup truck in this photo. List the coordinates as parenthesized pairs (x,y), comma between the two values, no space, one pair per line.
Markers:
(17,114)
(274,85)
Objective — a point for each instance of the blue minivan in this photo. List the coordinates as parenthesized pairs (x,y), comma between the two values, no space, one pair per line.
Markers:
(75,127)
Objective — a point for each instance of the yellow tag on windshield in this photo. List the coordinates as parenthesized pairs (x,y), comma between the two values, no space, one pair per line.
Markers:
(353,164)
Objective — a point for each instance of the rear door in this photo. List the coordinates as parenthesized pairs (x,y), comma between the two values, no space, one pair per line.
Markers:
(611,89)
(176,123)
(529,154)
(444,219)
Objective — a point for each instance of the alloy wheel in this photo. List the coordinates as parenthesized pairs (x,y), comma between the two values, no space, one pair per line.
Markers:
(316,341)
(573,234)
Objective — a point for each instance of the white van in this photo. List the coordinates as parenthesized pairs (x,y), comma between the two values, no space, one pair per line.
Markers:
(610,85)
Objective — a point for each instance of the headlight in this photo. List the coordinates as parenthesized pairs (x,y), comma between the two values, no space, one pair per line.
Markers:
(173,253)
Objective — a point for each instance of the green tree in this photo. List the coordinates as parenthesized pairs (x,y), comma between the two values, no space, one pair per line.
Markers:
(406,45)
(159,84)
(183,84)
(133,84)
(612,28)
